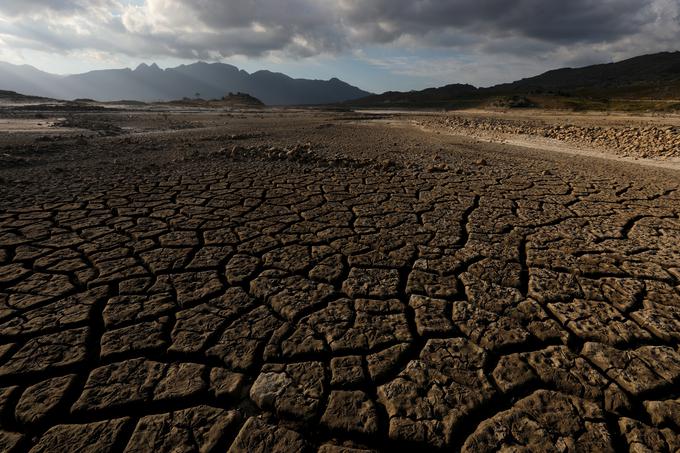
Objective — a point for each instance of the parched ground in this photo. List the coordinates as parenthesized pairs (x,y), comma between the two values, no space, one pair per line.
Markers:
(283,281)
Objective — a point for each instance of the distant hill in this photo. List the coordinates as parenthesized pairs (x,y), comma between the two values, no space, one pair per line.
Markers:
(235,100)
(13,96)
(652,77)
(425,96)
(198,80)
(655,75)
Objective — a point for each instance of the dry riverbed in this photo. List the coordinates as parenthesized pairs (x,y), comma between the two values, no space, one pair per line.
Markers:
(335,282)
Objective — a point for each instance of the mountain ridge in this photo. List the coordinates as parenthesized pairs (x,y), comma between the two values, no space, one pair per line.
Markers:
(152,83)
(652,76)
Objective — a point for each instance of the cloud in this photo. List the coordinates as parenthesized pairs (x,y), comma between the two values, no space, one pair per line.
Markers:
(551,21)
(180,28)
(24,7)
(561,31)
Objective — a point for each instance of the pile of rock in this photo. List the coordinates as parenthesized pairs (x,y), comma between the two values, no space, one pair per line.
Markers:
(303,154)
(631,141)
(298,153)
(649,141)
(9,160)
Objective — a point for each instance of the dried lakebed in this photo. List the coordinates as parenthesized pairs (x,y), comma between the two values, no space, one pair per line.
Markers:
(373,290)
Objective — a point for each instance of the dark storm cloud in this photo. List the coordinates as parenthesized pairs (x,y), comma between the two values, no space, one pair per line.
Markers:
(552,21)
(300,28)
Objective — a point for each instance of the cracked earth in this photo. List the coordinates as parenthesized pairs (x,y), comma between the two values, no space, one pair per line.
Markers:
(375,288)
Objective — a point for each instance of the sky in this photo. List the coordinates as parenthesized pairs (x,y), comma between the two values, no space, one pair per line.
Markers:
(378,45)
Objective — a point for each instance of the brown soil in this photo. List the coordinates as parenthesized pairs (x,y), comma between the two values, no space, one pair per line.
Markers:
(287,280)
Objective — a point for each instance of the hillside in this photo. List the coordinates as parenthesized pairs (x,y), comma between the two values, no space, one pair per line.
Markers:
(198,80)
(652,78)
(231,100)
(428,96)
(656,75)
(13,96)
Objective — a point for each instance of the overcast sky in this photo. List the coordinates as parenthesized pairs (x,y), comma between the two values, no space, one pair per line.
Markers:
(376,44)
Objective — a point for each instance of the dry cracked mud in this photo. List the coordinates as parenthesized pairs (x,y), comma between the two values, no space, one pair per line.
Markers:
(287,281)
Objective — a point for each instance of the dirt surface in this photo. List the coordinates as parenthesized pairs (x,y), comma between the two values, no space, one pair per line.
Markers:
(650,136)
(332,282)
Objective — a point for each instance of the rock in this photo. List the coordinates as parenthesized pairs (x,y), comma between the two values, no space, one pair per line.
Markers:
(489,330)
(661,320)
(11,442)
(12,273)
(63,313)
(48,352)
(544,421)
(98,437)
(644,438)
(200,429)
(347,371)
(664,413)
(192,287)
(226,385)
(431,315)
(239,346)
(371,283)
(138,338)
(435,392)
(558,368)
(598,321)
(41,400)
(638,370)
(438,168)
(350,412)
(293,390)
(133,308)
(256,436)
(194,327)
(139,381)
(381,364)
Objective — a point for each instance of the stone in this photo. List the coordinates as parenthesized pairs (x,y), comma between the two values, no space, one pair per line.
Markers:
(432,315)
(135,308)
(380,283)
(347,371)
(239,346)
(42,400)
(293,390)
(598,321)
(256,436)
(48,352)
(435,392)
(639,370)
(138,381)
(544,421)
(139,338)
(664,413)
(98,437)
(194,327)
(199,429)
(350,412)
(644,438)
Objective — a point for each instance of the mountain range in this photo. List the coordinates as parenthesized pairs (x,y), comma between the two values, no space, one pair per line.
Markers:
(652,77)
(151,83)
(655,76)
